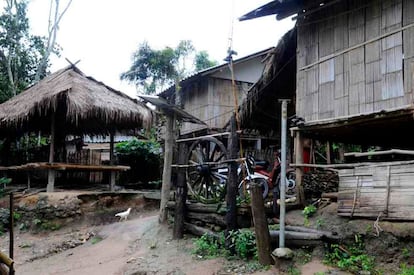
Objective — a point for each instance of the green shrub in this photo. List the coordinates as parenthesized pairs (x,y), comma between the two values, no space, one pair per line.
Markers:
(208,246)
(143,157)
(351,258)
(309,211)
(244,243)
(405,270)
(241,242)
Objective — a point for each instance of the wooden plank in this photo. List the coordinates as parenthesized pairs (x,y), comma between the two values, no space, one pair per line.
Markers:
(408,46)
(390,190)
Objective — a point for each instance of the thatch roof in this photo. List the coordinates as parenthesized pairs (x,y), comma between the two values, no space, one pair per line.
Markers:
(81,105)
(260,109)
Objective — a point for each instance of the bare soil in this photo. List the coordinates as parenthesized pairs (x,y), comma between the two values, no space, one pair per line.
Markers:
(99,244)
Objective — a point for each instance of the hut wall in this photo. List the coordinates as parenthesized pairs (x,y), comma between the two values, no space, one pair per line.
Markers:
(384,189)
(355,57)
(211,101)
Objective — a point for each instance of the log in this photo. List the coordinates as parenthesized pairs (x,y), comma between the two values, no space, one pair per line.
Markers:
(207,218)
(331,195)
(201,208)
(199,231)
(293,235)
(311,230)
(261,227)
(6,260)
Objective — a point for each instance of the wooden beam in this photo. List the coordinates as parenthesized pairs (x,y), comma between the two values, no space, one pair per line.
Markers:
(379,153)
(201,137)
(299,171)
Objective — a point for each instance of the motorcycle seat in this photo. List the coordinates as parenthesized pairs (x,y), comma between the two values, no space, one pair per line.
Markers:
(264,164)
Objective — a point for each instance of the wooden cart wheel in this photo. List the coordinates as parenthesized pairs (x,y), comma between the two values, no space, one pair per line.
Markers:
(206,176)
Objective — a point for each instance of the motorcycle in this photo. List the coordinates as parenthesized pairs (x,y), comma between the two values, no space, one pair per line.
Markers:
(257,171)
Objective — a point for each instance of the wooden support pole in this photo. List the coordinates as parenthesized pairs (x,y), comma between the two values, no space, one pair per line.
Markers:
(328,152)
(181,195)
(261,228)
(231,214)
(111,148)
(51,173)
(111,161)
(166,173)
(11,241)
(299,170)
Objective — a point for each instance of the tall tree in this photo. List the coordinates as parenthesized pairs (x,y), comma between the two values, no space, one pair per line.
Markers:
(54,19)
(20,52)
(154,70)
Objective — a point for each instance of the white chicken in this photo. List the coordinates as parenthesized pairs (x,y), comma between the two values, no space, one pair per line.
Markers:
(123,215)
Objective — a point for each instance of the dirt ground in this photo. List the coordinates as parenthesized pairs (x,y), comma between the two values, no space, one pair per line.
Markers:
(142,246)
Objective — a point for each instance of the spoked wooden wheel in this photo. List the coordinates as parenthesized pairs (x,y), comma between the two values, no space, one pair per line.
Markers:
(207,175)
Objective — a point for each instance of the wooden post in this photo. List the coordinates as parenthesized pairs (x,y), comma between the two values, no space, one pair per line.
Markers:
(51,173)
(232,183)
(260,225)
(166,173)
(328,152)
(111,161)
(299,170)
(181,195)
(11,242)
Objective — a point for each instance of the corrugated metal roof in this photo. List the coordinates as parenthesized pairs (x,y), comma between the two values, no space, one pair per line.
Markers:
(282,9)
(171,108)
(210,71)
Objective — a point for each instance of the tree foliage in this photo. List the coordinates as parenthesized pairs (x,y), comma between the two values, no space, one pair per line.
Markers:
(153,70)
(20,52)
(202,61)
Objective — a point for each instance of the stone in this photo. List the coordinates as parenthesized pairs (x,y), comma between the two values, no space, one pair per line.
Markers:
(283,252)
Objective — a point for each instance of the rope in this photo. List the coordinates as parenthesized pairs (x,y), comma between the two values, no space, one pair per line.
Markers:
(230,52)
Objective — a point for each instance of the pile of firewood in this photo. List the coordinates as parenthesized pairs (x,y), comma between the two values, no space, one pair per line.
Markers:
(317,182)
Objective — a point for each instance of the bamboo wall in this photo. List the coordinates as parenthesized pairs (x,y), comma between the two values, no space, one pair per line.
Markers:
(355,57)
(211,101)
(382,189)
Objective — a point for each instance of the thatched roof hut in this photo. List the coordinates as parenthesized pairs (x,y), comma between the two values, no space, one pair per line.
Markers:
(79,104)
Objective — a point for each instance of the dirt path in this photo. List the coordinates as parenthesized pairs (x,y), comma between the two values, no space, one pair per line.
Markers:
(139,246)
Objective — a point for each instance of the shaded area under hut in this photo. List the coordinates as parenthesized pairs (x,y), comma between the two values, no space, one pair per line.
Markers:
(64,103)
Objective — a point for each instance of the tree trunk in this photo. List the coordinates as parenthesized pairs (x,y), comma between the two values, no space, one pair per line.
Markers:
(52,33)
(180,209)
(166,174)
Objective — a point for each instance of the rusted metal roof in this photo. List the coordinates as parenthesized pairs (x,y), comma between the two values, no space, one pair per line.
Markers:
(282,9)
(171,109)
